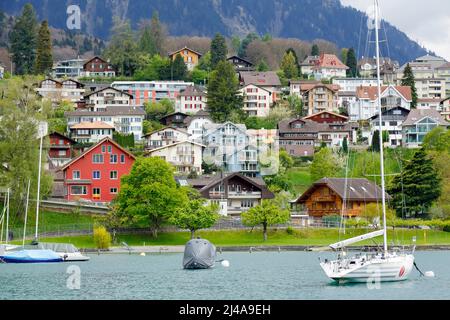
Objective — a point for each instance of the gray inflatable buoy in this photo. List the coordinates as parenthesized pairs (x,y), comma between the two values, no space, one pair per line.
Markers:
(199,254)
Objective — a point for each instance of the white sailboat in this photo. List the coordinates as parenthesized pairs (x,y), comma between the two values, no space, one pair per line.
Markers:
(387,265)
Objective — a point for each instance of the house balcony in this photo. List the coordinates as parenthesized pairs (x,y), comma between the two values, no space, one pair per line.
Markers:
(60,146)
(332,212)
(78,181)
(244,195)
(330,198)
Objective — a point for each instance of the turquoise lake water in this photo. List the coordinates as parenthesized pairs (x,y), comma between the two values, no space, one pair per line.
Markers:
(254,276)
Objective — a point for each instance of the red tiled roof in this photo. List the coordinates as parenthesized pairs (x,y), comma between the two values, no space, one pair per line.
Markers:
(330,61)
(371,92)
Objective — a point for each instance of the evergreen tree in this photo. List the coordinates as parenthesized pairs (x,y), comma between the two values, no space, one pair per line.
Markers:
(245,42)
(345,145)
(315,50)
(223,94)
(324,164)
(408,80)
(344,55)
(23,41)
(352,63)
(146,44)
(262,66)
(417,187)
(44,58)
(219,50)
(288,66)
(297,63)
(375,141)
(178,68)
(122,49)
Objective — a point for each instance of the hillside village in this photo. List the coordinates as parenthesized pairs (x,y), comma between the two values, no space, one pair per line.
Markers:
(238,132)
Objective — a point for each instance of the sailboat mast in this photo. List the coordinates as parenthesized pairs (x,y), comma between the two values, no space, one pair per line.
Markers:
(38,187)
(26,214)
(7,219)
(383,186)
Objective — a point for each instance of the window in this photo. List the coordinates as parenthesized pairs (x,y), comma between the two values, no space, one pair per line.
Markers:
(78,190)
(96,191)
(62,153)
(97,158)
(122,158)
(113,175)
(113,190)
(109,149)
(103,149)
(96,175)
(76,175)
(113,158)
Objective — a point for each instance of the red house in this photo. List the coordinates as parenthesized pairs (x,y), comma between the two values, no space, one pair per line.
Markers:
(61,147)
(95,174)
(327,117)
(97,67)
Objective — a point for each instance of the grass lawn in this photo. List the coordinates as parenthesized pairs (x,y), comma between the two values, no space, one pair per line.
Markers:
(300,177)
(307,237)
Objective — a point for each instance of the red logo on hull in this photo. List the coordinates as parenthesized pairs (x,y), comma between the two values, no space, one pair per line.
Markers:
(402,272)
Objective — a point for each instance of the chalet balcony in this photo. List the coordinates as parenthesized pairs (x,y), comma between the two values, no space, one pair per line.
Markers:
(332,212)
(60,146)
(235,195)
(330,198)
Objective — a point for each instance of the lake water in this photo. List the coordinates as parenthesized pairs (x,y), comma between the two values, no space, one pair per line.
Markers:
(254,276)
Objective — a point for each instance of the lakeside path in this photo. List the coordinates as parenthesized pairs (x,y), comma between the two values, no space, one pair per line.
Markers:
(180,249)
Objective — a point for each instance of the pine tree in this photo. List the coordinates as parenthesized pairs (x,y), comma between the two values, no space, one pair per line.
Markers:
(219,50)
(223,95)
(178,68)
(262,66)
(352,63)
(417,187)
(315,50)
(375,141)
(345,145)
(158,34)
(408,80)
(245,42)
(146,44)
(288,66)
(23,41)
(344,55)
(44,58)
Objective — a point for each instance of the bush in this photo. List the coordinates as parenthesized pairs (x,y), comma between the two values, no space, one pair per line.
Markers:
(102,238)
(446,228)
(290,230)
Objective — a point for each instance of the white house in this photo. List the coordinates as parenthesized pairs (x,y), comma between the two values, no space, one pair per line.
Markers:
(191,100)
(329,66)
(196,123)
(418,124)
(257,100)
(90,132)
(392,123)
(185,156)
(366,100)
(164,137)
(57,91)
(108,97)
(352,84)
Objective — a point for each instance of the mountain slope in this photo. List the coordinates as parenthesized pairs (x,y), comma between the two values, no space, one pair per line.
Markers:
(303,19)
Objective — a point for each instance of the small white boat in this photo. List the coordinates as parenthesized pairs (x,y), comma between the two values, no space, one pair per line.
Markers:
(68,252)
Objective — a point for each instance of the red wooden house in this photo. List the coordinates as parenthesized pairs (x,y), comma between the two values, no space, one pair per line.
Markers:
(61,147)
(95,174)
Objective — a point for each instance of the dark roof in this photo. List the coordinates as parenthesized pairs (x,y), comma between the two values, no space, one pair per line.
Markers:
(269,78)
(239,58)
(357,189)
(387,114)
(163,129)
(192,91)
(62,136)
(205,183)
(185,48)
(110,111)
(103,89)
(200,114)
(96,57)
(312,126)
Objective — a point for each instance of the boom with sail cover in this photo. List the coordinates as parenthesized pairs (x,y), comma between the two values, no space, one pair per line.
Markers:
(345,243)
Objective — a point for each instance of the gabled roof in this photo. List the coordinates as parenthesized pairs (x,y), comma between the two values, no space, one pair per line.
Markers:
(386,111)
(310,86)
(241,59)
(91,125)
(357,189)
(62,136)
(163,129)
(174,145)
(417,115)
(106,88)
(329,112)
(192,91)
(185,48)
(213,127)
(255,85)
(371,92)
(330,61)
(96,57)
(107,139)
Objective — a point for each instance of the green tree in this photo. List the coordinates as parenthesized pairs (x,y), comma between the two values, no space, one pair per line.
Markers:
(267,37)
(156,68)
(150,194)
(122,50)
(375,141)
(245,43)
(345,145)
(437,139)
(344,55)
(265,214)
(156,110)
(195,215)
(158,34)
(262,66)
(205,62)
(324,165)
(199,76)
(44,58)
(315,50)
(352,63)
(296,105)
(223,95)
(235,43)
(219,50)
(23,40)
(417,187)
(146,44)
(288,66)
(409,80)
(297,63)
(178,68)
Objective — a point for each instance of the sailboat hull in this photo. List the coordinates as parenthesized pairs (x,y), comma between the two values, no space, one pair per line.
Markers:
(370,270)
(31,256)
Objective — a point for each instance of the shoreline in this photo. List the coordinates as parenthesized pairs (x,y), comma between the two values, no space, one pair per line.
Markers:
(250,249)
